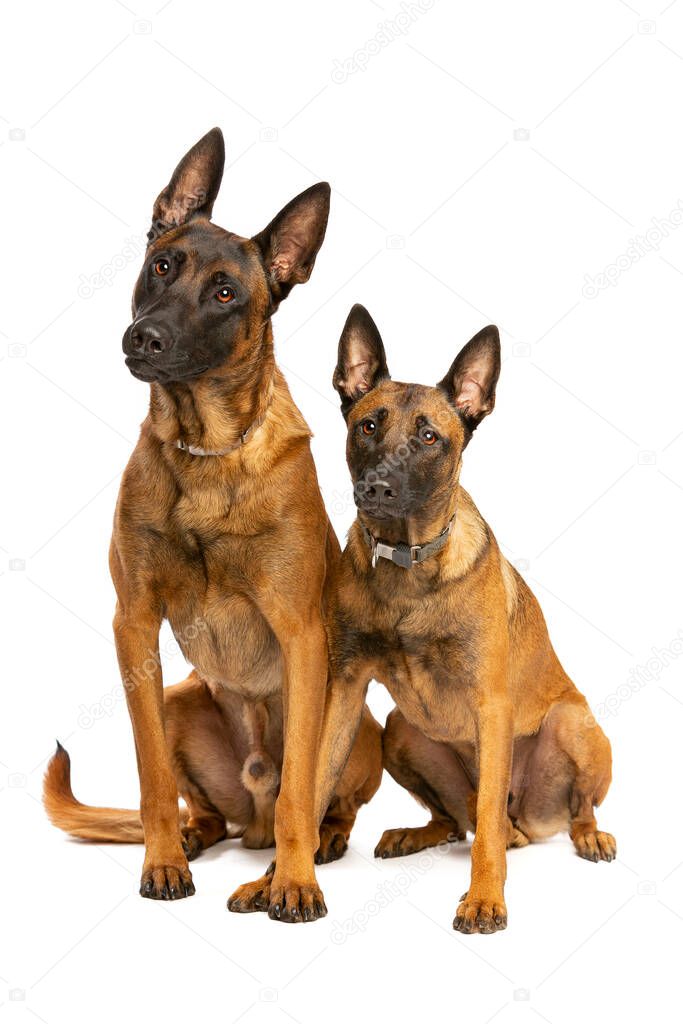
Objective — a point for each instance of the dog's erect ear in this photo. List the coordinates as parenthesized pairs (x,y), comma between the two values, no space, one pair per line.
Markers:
(291,241)
(194,185)
(471,381)
(362,361)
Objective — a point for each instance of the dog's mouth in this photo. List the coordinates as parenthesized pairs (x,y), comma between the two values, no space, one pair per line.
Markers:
(380,510)
(382,513)
(377,513)
(148,372)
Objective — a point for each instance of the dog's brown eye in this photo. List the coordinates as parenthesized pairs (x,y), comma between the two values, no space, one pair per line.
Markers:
(368,427)
(225,295)
(162,267)
(428,436)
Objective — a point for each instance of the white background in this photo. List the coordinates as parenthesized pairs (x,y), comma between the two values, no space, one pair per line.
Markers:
(445,216)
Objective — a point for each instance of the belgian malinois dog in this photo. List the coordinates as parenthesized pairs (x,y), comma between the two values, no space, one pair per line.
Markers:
(220,528)
(489,733)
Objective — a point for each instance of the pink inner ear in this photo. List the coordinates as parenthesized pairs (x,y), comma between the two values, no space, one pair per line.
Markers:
(358,377)
(175,206)
(470,394)
(289,253)
(179,211)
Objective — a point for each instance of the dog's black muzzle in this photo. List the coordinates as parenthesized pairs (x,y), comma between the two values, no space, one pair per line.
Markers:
(152,353)
(381,497)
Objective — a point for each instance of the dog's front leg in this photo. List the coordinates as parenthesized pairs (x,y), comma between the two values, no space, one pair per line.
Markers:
(483,905)
(343,709)
(343,712)
(165,873)
(294,892)
(288,890)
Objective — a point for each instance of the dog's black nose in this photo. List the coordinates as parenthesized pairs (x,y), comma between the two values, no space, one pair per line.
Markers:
(382,491)
(149,339)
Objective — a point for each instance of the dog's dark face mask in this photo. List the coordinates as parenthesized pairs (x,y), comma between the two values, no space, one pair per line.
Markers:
(205,293)
(405,441)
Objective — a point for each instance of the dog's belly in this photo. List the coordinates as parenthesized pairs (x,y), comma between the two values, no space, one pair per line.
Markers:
(225,637)
(438,707)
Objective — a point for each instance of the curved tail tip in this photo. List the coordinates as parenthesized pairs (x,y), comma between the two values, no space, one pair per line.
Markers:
(59,761)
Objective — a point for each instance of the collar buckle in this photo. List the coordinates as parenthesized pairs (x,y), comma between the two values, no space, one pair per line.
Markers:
(381,550)
(405,555)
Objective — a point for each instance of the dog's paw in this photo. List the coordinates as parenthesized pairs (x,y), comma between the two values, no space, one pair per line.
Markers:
(192,842)
(253,896)
(294,903)
(516,839)
(480,915)
(333,845)
(166,883)
(399,842)
(596,846)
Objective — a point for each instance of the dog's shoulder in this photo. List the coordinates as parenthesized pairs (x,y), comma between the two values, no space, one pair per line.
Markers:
(471,540)
(475,547)
(146,495)
(147,485)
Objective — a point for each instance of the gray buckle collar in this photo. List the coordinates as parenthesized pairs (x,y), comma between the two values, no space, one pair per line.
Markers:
(406,555)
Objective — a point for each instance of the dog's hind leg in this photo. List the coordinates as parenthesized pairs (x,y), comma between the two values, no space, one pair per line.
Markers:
(433,773)
(358,784)
(200,737)
(567,775)
(206,773)
(205,825)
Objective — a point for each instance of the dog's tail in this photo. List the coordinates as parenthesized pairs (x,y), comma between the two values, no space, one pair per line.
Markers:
(100,824)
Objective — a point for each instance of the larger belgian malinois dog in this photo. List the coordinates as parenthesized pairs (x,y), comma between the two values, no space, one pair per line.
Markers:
(489,732)
(220,528)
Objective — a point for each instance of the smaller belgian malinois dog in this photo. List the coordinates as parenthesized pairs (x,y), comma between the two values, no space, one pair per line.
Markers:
(489,733)
(220,528)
